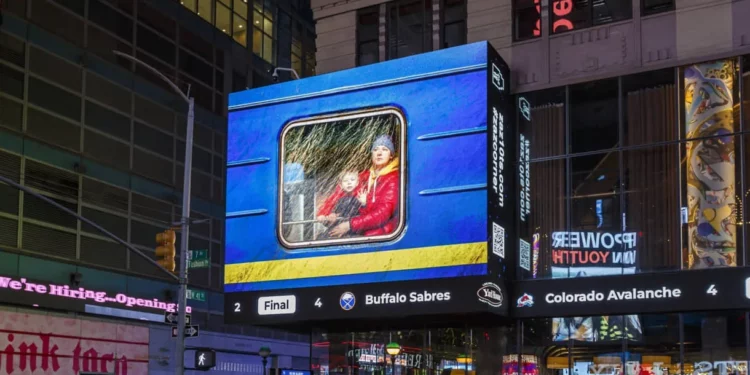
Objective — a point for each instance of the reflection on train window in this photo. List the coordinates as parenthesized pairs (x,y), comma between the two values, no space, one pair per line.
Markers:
(341,179)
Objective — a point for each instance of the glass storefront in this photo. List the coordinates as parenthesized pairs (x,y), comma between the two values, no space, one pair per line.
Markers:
(712,343)
(639,173)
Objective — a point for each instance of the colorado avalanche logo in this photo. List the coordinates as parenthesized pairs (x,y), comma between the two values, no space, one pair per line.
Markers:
(525,300)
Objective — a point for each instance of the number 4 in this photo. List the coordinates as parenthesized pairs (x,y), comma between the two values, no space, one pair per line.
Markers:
(712,290)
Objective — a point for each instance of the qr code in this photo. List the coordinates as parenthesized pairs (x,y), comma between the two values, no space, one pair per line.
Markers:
(524,259)
(498,240)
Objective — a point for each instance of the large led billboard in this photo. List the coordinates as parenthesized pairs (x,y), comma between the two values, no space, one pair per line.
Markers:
(366,190)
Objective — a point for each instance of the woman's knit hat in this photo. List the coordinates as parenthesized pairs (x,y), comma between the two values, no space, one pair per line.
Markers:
(383,140)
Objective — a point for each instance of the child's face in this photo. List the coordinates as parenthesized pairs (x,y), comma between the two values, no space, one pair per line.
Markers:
(349,182)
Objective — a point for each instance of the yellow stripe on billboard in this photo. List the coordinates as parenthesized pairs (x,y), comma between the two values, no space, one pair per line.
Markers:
(349,264)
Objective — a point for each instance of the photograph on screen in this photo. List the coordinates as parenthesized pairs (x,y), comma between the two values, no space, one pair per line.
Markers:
(341,179)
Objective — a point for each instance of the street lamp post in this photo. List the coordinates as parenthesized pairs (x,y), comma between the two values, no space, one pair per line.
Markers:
(393,349)
(264,352)
(185,218)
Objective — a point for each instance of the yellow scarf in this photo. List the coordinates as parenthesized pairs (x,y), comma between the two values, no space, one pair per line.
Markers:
(373,180)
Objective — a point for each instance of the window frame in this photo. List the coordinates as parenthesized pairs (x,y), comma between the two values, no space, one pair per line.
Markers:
(443,24)
(263,10)
(553,18)
(657,10)
(515,9)
(349,115)
(426,26)
(361,41)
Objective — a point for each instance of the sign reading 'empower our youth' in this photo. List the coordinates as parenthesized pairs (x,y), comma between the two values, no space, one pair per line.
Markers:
(593,248)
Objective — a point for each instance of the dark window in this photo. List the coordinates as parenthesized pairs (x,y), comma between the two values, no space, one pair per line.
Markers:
(11,114)
(152,166)
(17,7)
(111,20)
(196,67)
(12,50)
(107,92)
(203,95)
(527,19)
(569,15)
(593,116)
(74,5)
(154,114)
(37,209)
(11,81)
(196,44)
(104,195)
(156,45)
(166,70)
(63,24)
(103,43)
(367,35)
(454,23)
(108,121)
(50,179)
(55,69)
(107,150)
(409,28)
(54,99)
(649,7)
(156,19)
(239,81)
(219,80)
(53,129)
(153,140)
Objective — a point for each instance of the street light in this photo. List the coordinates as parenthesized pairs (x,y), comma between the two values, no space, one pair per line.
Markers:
(264,352)
(182,298)
(393,349)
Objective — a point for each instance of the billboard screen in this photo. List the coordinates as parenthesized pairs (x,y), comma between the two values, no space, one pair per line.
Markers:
(367,189)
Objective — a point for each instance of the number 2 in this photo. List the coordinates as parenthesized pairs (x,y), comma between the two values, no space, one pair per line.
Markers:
(236,307)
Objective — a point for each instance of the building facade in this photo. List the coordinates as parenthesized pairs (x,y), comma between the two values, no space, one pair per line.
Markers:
(635,114)
(105,138)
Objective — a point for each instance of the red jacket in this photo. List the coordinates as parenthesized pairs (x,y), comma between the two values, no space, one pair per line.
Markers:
(328,205)
(380,215)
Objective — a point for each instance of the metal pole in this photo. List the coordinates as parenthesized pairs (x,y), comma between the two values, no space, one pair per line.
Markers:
(184,238)
(85,220)
(185,219)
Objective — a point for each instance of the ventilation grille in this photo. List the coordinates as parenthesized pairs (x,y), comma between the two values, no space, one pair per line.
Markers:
(144,234)
(49,241)
(103,253)
(115,224)
(152,166)
(141,266)
(151,209)
(50,179)
(8,232)
(35,208)
(104,195)
(11,114)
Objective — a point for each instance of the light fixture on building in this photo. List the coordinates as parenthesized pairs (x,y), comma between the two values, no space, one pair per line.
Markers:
(264,352)
(75,279)
(393,349)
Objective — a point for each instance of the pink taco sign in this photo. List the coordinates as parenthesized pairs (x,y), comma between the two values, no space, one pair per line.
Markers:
(33,344)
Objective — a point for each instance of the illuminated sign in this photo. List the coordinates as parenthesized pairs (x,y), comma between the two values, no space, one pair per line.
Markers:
(621,295)
(593,248)
(319,206)
(561,10)
(535,255)
(295,372)
(524,175)
(65,291)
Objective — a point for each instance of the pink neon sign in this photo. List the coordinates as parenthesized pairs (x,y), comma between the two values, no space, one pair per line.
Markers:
(86,294)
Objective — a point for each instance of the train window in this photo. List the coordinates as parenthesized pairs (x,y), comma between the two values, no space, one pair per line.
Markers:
(342,179)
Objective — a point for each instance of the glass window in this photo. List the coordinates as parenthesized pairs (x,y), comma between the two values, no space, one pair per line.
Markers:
(155,19)
(223,19)
(409,28)
(594,116)
(62,24)
(107,121)
(330,201)
(196,67)
(11,81)
(569,15)
(715,343)
(527,19)
(240,7)
(54,99)
(190,4)
(454,23)
(263,32)
(650,107)
(196,44)
(205,11)
(155,45)
(651,198)
(111,20)
(367,35)
(649,7)
(239,33)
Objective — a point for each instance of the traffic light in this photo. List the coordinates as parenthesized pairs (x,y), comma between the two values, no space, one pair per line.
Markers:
(165,251)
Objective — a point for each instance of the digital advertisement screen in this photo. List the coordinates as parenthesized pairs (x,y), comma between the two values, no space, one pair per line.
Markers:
(372,179)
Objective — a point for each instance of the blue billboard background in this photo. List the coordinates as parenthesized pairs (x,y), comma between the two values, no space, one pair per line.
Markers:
(443,96)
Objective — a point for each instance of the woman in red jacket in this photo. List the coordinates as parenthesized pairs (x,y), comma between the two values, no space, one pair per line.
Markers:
(380,186)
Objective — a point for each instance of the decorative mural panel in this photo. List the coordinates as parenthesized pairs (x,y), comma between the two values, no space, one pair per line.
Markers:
(710,165)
